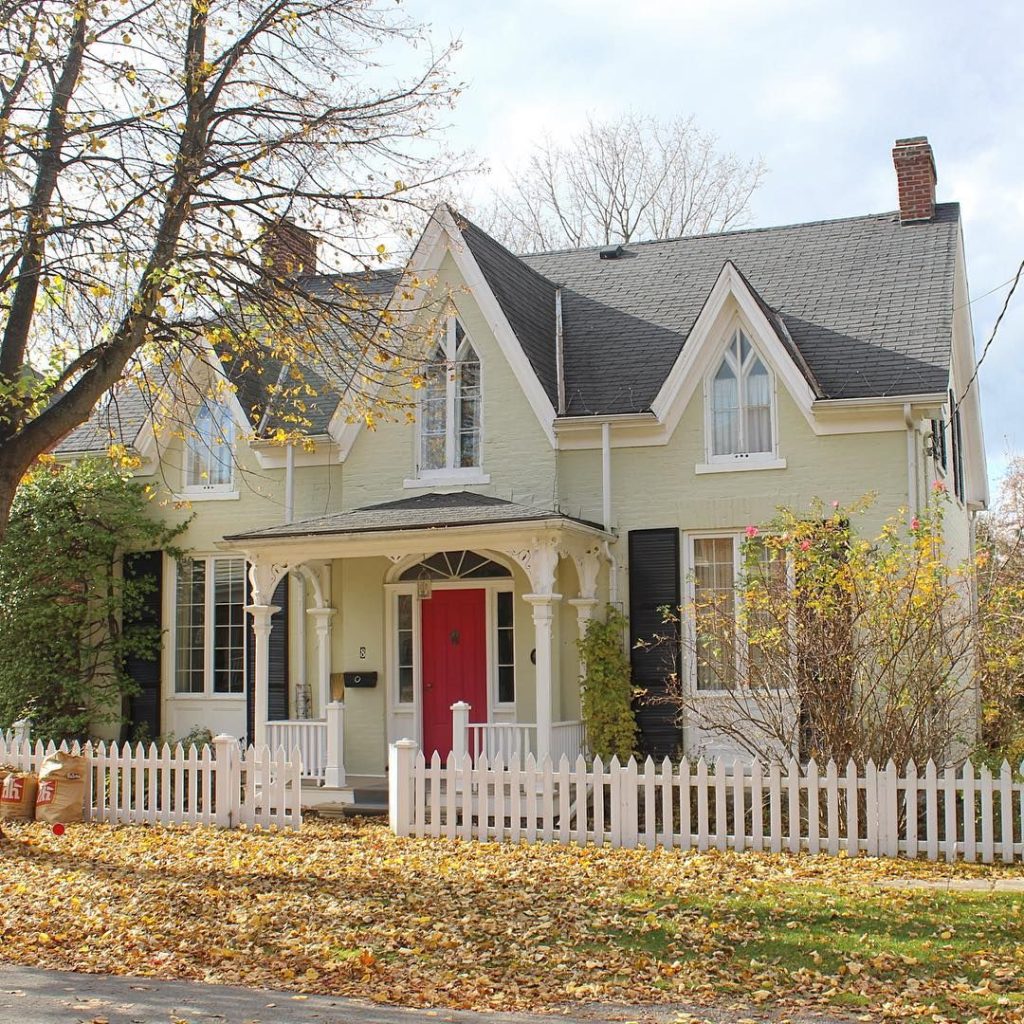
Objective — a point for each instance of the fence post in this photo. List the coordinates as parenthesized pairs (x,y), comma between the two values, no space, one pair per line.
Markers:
(21,730)
(334,770)
(226,780)
(460,730)
(400,783)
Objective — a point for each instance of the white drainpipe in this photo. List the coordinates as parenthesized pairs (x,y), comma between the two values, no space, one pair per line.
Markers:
(912,500)
(289,483)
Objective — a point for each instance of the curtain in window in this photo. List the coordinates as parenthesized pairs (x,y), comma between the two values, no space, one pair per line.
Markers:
(758,412)
(434,414)
(468,408)
(210,447)
(725,402)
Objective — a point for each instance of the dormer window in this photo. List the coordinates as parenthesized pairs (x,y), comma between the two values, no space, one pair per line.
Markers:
(209,449)
(740,400)
(450,406)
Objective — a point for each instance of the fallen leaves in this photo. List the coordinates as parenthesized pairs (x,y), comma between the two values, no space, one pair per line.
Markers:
(348,908)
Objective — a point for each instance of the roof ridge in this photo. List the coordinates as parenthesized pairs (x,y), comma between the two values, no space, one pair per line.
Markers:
(738,231)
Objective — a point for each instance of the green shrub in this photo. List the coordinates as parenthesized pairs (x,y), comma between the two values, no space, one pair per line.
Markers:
(608,687)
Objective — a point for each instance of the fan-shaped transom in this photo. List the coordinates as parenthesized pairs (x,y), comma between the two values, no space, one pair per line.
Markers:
(455,565)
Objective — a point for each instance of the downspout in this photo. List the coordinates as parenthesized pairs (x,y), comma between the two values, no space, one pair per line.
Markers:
(289,483)
(912,500)
(606,510)
(559,352)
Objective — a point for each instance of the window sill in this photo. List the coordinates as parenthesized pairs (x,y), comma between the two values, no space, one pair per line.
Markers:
(202,495)
(452,478)
(208,696)
(739,466)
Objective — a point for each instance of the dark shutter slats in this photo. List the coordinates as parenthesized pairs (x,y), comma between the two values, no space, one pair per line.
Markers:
(654,582)
(144,705)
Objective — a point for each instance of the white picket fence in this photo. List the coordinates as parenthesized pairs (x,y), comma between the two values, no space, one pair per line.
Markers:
(965,813)
(225,786)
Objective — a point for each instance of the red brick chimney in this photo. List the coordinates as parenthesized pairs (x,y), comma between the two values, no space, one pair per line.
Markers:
(288,250)
(915,176)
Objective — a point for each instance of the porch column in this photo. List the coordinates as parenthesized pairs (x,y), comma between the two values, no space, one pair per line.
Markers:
(585,607)
(322,618)
(261,626)
(543,615)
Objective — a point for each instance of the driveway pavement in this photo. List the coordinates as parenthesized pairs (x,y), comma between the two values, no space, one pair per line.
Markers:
(33,996)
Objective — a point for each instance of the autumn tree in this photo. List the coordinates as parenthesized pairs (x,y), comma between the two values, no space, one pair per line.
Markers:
(834,644)
(629,178)
(147,145)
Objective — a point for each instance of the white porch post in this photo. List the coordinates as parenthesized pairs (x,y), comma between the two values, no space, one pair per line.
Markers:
(334,770)
(460,728)
(585,607)
(261,626)
(322,618)
(543,616)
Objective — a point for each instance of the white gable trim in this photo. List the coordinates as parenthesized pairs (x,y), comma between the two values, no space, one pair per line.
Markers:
(707,340)
(440,237)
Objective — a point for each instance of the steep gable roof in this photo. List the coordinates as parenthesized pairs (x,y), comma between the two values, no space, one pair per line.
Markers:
(866,301)
(526,297)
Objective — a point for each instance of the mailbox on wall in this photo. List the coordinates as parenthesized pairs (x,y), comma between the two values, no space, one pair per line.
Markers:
(358,680)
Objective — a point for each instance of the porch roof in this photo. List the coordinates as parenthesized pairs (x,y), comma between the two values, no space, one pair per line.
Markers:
(422,512)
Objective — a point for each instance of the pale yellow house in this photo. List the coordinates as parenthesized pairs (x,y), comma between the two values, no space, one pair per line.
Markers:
(597,425)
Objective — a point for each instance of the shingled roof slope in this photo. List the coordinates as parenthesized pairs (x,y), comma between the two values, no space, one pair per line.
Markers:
(424,511)
(526,297)
(867,301)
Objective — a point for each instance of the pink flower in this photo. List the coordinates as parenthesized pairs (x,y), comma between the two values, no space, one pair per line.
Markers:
(751,532)
(938,487)
(915,523)
(805,545)
(835,504)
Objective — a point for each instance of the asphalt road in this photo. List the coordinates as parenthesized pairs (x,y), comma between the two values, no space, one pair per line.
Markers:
(33,996)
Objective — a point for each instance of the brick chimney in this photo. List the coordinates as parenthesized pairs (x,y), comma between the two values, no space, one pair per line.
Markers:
(915,177)
(288,250)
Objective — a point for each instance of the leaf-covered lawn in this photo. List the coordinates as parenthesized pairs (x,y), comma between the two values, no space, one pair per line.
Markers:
(348,908)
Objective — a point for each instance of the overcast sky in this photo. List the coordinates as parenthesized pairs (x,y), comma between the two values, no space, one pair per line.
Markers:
(819,90)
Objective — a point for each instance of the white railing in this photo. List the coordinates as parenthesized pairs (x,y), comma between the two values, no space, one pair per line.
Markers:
(320,742)
(511,739)
(309,736)
(221,786)
(949,814)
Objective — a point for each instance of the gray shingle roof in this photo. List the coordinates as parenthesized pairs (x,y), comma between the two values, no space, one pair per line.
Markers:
(867,301)
(425,511)
(117,420)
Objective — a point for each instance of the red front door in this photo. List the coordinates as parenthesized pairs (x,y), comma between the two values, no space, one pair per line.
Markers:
(454,635)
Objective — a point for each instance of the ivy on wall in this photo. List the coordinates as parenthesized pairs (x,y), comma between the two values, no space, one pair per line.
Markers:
(608,687)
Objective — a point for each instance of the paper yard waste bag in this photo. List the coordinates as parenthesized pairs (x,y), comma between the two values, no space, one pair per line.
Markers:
(61,795)
(18,796)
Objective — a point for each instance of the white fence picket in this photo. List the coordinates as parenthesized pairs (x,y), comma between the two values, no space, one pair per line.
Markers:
(625,805)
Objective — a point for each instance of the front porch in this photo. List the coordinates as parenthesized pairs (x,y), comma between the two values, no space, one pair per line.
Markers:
(421,632)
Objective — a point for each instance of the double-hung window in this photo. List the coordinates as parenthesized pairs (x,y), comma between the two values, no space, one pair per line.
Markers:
(210,633)
(209,449)
(724,653)
(450,406)
(740,399)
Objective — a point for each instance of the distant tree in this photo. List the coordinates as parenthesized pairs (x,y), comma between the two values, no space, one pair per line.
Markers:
(145,147)
(622,180)
(69,615)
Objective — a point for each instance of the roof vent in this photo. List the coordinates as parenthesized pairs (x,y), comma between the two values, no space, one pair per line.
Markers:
(611,252)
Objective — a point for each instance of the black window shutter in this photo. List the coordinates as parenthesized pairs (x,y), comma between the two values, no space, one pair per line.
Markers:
(654,582)
(144,705)
(277,698)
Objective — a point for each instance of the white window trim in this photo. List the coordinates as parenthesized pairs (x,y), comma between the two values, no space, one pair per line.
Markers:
(742,650)
(402,712)
(210,492)
(208,692)
(450,473)
(738,461)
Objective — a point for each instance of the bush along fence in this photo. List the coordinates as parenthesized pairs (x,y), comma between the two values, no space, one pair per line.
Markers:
(224,786)
(931,813)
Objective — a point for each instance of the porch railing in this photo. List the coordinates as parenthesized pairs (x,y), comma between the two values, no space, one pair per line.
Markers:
(320,742)
(515,739)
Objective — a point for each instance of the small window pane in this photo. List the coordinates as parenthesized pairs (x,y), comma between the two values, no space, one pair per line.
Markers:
(715,612)
(405,649)
(405,695)
(190,627)
(506,684)
(505,609)
(505,646)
